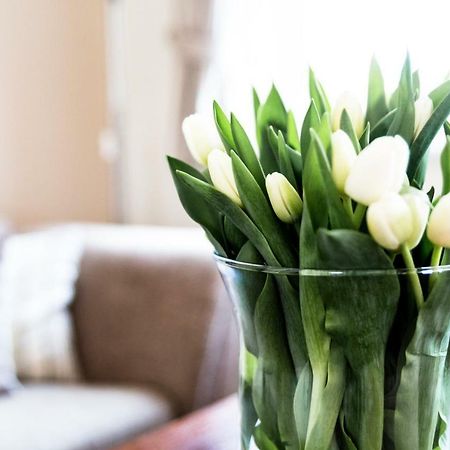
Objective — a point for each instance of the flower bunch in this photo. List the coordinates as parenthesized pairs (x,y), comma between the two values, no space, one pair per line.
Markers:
(343,191)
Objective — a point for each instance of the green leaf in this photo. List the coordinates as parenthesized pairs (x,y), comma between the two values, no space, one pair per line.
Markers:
(372,300)
(249,417)
(324,132)
(246,152)
(418,395)
(376,99)
(347,126)
(259,209)
(416,84)
(421,144)
(320,190)
(437,95)
(272,112)
(365,138)
(292,137)
(445,167)
(297,165)
(326,361)
(223,204)
(403,123)
(244,291)
(285,161)
(195,206)
(381,128)
(301,403)
(317,94)
(312,120)
(223,127)
(234,238)
(274,381)
(256,103)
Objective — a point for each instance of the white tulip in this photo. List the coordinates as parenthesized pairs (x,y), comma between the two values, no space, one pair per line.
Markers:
(419,205)
(423,109)
(351,104)
(439,223)
(201,137)
(390,221)
(221,171)
(342,158)
(379,169)
(283,197)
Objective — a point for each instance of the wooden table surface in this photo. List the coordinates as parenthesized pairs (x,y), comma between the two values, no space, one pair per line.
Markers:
(215,427)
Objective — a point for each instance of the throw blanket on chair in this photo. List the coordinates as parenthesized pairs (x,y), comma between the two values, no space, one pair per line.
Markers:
(38,273)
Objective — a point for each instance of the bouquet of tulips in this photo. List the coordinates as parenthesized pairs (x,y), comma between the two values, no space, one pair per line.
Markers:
(358,360)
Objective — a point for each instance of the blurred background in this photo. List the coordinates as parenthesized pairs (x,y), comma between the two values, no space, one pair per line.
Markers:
(92,93)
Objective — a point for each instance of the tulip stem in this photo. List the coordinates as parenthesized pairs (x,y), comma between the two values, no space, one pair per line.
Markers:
(348,204)
(435,263)
(413,276)
(359,215)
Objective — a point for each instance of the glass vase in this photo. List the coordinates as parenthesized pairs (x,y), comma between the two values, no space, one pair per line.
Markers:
(342,359)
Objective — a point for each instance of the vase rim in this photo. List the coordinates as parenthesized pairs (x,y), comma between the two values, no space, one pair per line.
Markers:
(252,267)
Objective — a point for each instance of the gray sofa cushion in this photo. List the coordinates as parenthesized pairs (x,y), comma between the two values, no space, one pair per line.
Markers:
(77,417)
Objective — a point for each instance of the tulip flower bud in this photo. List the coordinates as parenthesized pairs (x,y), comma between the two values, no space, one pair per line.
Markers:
(423,109)
(221,171)
(419,205)
(342,158)
(350,103)
(284,199)
(439,223)
(379,169)
(201,137)
(390,221)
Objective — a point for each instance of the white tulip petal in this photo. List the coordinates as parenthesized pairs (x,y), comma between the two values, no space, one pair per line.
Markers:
(201,137)
(419,205)
(342,158)
(351,104)
(423,109)
(438,230)
(221,171)
(283,197)
(389,221)
(379,169)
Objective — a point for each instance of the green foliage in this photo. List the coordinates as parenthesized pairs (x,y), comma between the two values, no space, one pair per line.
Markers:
(376,98)
(270,113)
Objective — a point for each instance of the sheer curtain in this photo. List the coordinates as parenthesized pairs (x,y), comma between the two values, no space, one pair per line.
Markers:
(257,42)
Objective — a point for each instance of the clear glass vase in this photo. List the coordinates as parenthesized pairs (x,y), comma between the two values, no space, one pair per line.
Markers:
(342,359)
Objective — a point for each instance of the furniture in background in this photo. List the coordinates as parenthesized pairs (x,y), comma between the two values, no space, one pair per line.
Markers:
(155,337)
(215,427)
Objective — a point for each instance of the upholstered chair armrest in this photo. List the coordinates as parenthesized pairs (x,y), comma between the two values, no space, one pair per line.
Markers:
(150,309)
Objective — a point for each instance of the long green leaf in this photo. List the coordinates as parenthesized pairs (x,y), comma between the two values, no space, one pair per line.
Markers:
(292,136)
(376,99)
(274,382)
(317,94)
(311,120)
(347,126)
(261,212)
(223,204)
(445,167)
(403,123)
(437,95)
(285,161)
(272,112)
(196,207)
(223,127)
(421,144)
(246,152)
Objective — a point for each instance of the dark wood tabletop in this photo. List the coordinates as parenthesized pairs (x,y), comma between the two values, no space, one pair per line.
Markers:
(215,427)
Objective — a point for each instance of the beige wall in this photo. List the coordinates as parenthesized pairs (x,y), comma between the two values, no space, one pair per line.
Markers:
(52,108)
